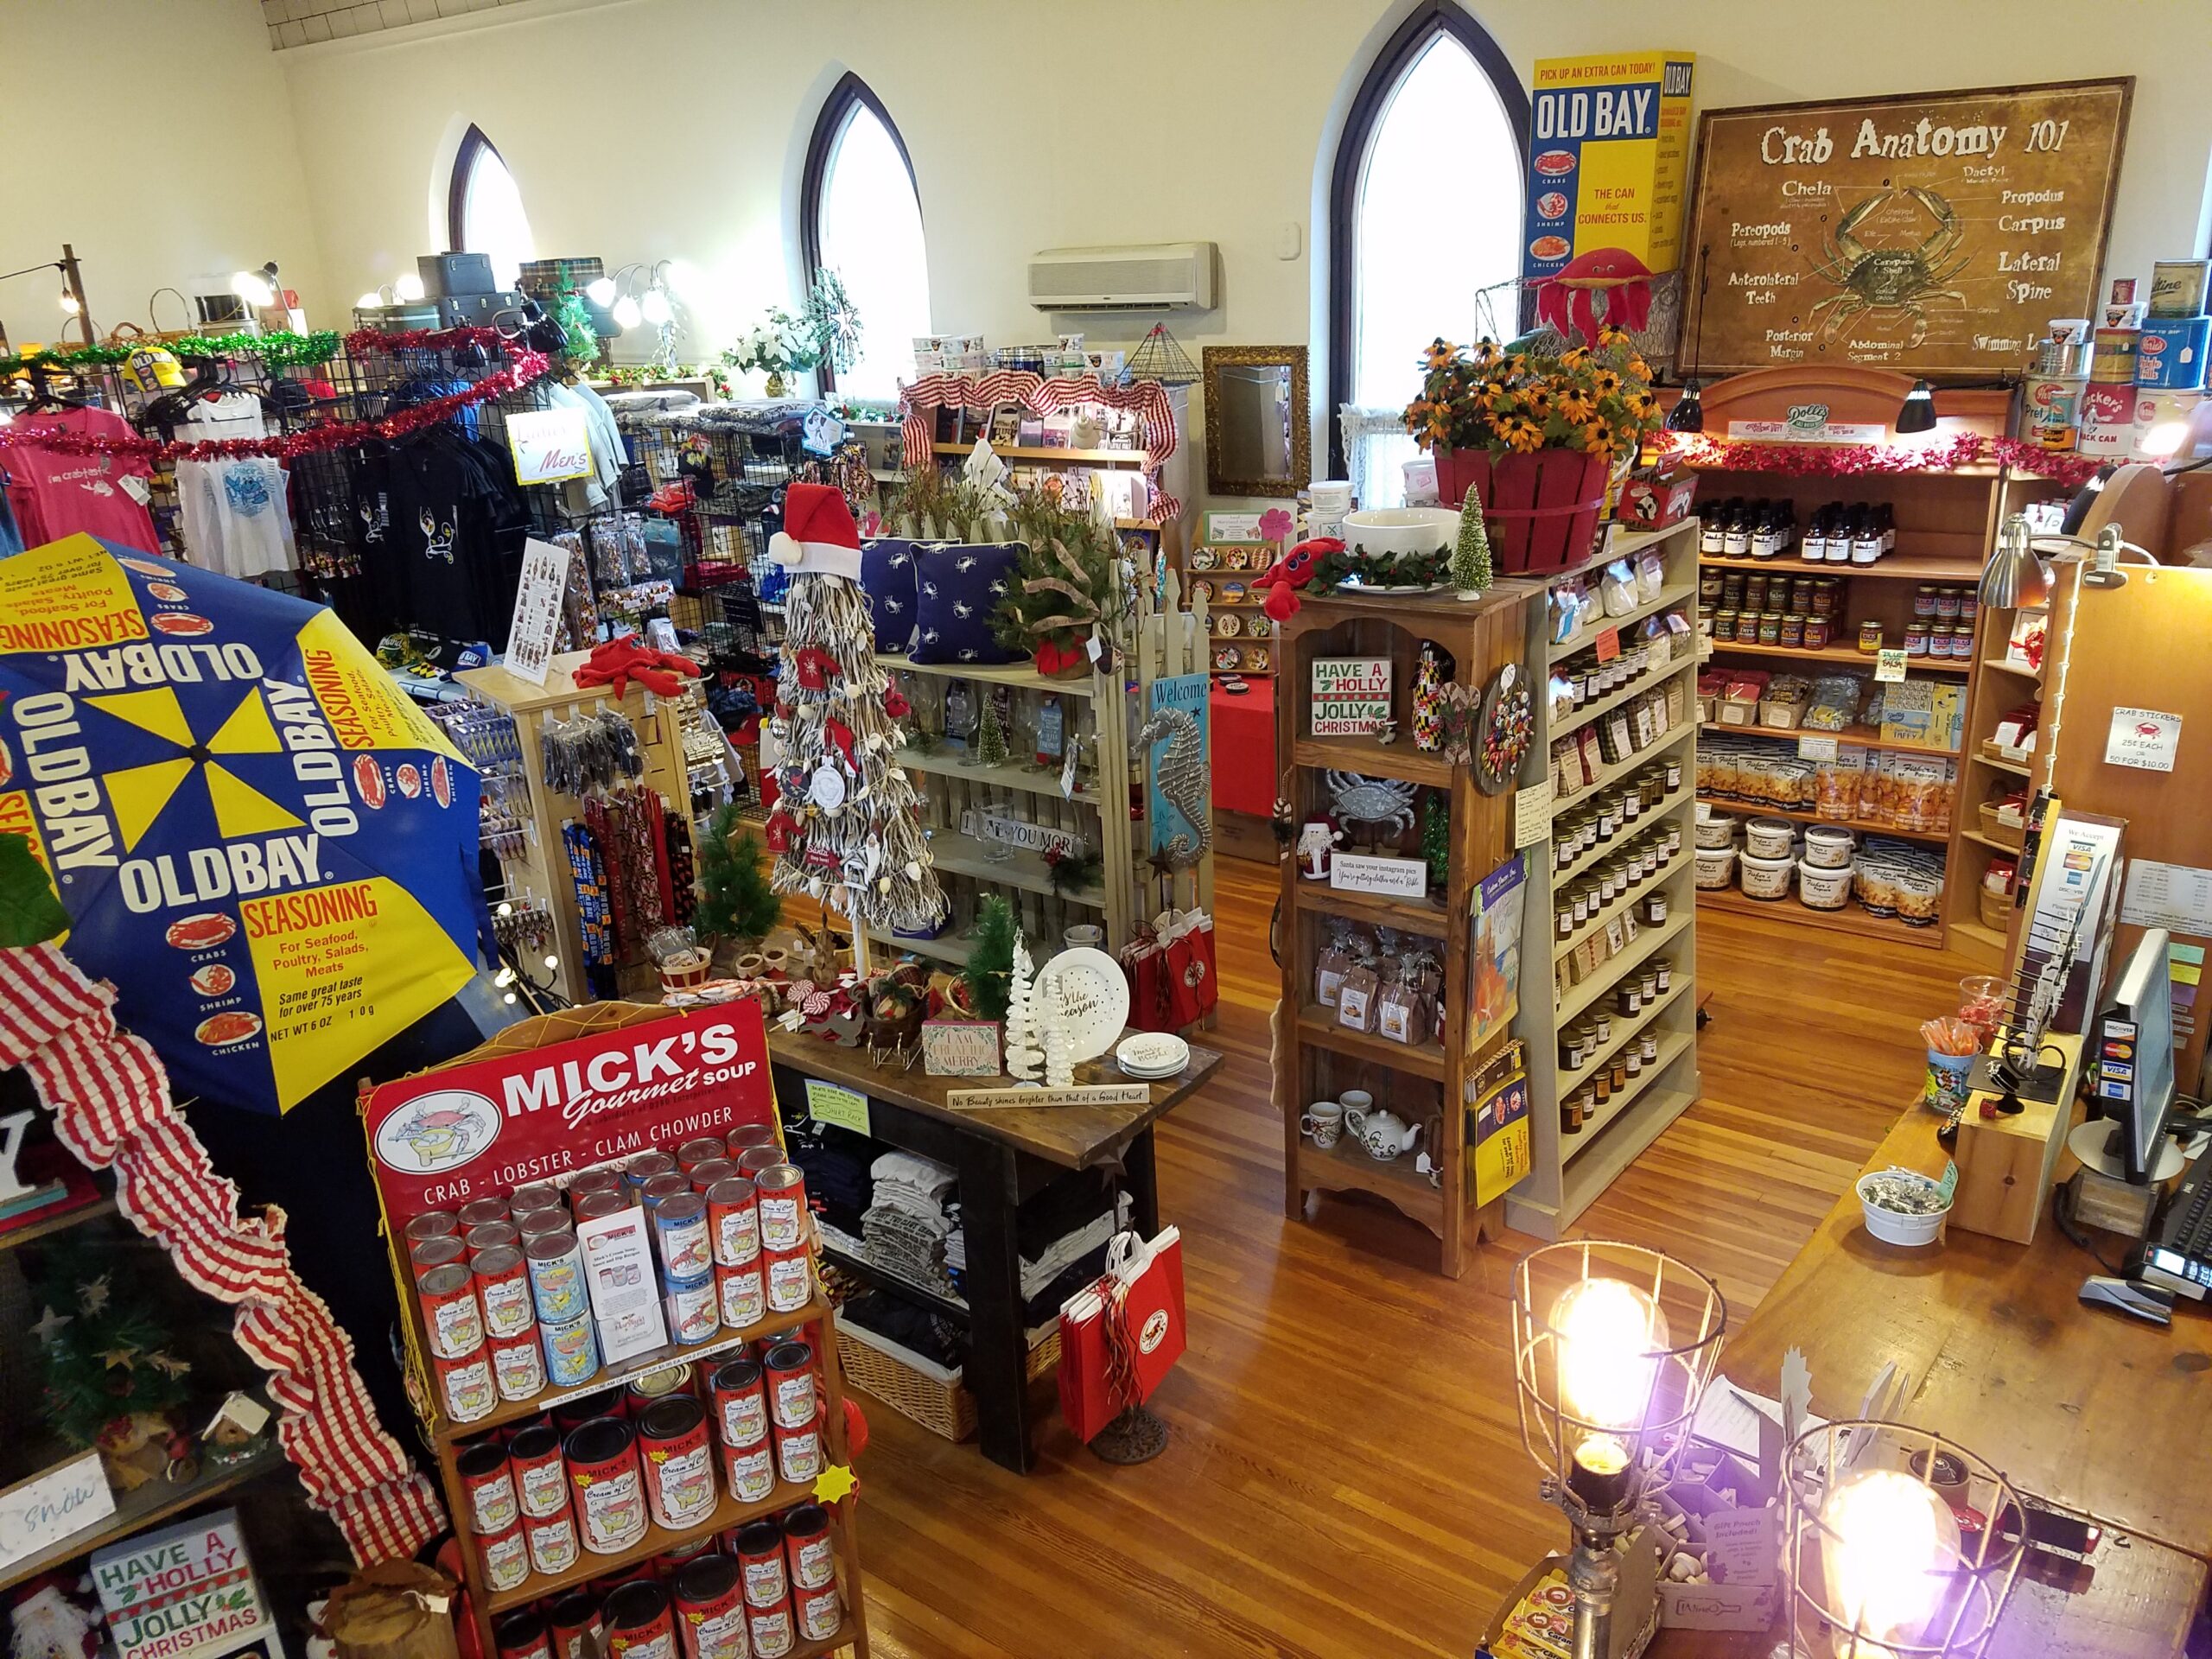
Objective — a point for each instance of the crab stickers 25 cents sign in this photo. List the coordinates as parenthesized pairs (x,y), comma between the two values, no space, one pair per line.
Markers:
(459,1132)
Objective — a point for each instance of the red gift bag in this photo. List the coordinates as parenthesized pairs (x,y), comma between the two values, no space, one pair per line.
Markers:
(1171,969)
(1121,1335)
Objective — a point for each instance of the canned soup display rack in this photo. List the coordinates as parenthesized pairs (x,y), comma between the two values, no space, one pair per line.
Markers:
(516,1576)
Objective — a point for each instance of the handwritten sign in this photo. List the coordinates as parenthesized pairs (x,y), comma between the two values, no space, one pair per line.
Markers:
(1393,878)
(1351,696)
(1888,667)
(186,1589)
(537,610)
(1081,1094)
(46,1509)
(1532,813)
(959,1048)
(2145,738)
(829,1102)
(550,445)
(1607,644)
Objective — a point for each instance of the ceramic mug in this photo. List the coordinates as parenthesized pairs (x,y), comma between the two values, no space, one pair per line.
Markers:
(1324,1121)
(1088,936)
(1356,1100)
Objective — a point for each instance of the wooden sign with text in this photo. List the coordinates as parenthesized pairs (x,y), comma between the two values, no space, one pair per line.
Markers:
(1082,1094)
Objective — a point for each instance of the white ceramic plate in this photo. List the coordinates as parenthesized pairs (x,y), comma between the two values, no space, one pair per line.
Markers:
(1097,997)
(1153,1054)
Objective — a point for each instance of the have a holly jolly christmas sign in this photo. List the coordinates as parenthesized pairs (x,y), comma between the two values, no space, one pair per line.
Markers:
(186,1589)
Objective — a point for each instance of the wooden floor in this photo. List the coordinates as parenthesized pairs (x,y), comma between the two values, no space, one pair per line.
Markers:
(1346,1475)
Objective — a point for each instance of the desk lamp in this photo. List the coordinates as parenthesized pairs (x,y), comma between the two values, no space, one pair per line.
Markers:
(1612,1347)
(1887,1550)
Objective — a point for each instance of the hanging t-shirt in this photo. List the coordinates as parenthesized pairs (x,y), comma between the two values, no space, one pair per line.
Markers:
(55,494)
(236,517)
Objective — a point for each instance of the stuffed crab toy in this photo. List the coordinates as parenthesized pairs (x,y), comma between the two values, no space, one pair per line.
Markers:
(1293,571)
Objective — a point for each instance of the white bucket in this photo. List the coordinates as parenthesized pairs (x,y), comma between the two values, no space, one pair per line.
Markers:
(1715,866)
(1767,878)
(1822,886)
(1716,831)
(1893,1228)
(1827,847)
(1769,838)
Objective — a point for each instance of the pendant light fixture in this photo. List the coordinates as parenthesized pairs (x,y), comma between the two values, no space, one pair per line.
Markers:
(1917,412)
(1689,414)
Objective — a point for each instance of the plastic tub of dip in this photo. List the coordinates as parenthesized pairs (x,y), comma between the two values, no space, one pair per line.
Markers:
(1766,878)
(1769,838)
(1827,847)
(1716,867)
(1822,887)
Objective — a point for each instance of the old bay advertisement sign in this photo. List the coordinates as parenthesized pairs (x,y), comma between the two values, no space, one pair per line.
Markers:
(485,1127)
(1930,234)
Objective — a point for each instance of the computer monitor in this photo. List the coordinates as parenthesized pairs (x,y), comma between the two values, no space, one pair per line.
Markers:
(2132,1063)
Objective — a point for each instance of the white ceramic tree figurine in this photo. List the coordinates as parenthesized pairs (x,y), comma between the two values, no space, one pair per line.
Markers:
(1059,1066)
(1022,1054)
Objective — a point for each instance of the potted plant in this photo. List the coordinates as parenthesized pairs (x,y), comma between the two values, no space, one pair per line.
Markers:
(1533,432)
(737,906)
(827,327)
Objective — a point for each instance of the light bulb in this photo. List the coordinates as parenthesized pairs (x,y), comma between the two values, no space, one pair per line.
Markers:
(409,288)
(253,287)
(626,314)
(1888,1549)
(507,976)
(369,302)
(506,909)
(680,278)
(69,302)
(552,961)
(655,307)
(600,290)
(1609,1336)
(509,997)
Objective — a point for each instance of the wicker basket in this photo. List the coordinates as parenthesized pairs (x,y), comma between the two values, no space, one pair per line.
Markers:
(1996,908)
(2010,835)
(943,1408)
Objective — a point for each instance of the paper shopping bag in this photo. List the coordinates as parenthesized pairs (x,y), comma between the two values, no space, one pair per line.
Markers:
(1122,1334)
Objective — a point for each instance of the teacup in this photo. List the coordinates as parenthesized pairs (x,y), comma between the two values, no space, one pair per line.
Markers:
(1356,1100)
(1324,1121)
(1088,936)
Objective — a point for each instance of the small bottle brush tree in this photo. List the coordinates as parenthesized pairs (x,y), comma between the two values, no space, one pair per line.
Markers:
(989,971)
(990,732)
(735,901)
(1470,571)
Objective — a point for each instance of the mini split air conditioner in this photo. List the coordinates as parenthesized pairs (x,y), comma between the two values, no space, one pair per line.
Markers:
(1157,277)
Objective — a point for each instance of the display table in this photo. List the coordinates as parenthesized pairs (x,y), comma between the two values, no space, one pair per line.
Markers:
(1245,749)
(1001,1156)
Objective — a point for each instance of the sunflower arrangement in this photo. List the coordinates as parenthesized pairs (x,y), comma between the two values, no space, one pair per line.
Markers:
(1519,398)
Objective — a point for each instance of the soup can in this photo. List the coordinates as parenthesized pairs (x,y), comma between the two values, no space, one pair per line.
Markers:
(503,1288)
(679,1465)
(552,1539)
(819,1612)
(666,1564)
(807,1548)
(749,1472)
(571,1351)
(538,1222)
(760,1560)
(506,1558)
(536,1195)
(680,1230)
(660,1384)
(770,1629)
(691,1312)
(491,1236)
(743,1294)
(465,1389)
(572,1414)
(2053,405)
(451,1318)
(488,1481)
(641,1168)
(753,1160)
(521,1635)
(798,1453)
(789,1370)
(607,1484)
(557,1278)
(639,1623)
(709,1609)
(477,1212)
(703,1176)
(541,1472)
(431,1224)
(595,1205)
(659,1189)
(745,1136)
(734,1218)
(605,1178)
(692,1154)
(574,1623)
(740,1402)
(430,1253)
(518,1365)
(790,1276)
(783,1207)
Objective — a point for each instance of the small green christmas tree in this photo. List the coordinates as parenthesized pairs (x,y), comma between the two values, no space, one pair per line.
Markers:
(735,901)
(1471,571)
(990,732)
(989,971)
(107,1356)
(1436,841)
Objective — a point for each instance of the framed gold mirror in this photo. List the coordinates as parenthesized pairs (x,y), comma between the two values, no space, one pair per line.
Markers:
(1257,440)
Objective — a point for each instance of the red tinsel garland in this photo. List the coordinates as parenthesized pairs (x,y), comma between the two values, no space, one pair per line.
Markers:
(369,342)
(315,441)
(1854,460)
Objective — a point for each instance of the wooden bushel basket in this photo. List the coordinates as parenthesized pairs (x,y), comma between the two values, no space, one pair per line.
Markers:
(1541,509)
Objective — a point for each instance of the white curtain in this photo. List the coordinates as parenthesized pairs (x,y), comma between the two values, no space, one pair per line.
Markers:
(1377,448)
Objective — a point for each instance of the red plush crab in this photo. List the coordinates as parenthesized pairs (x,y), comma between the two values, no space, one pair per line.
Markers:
(617,662)
(1571,297)
(1291,572)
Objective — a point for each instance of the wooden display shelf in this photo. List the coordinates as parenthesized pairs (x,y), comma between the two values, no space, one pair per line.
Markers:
(1024,675)
(1852,919)
(1579,1000)
(1628,540)
(1399,761)
(58,1222)
(1067,457)
(1656,819)
(1317,1025)
(1025,780)
(1797,815)
(1862,737)
(659,1540)
(1669,594)
(143,1506)
(1570,1080)
(1901,565)
(1979,934)
(897,1284)
(950,950)
(1627,901)
(1835,654)
(2001,666)
(1672,1047)
(1593,1166)
(1605,705)
(960,855)
(1375,910)
(1613,772)
(1346,1167)
(2018,768)
(2011,849)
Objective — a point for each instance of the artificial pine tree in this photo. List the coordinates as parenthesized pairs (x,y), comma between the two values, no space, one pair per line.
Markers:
(1022,1053)
(1470,572)
(736,900)
(107,1356)
(990,731)
(844,828)
(989,971)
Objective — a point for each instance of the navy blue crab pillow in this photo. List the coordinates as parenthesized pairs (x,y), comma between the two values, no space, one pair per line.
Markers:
(887,579)
(957,589)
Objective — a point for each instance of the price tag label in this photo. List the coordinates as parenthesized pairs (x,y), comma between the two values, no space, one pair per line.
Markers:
(1888,667)
(1815,748)
(1607,644)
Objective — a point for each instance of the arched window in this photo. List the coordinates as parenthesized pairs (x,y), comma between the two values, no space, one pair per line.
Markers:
(484,209)
(861,216)
(1424,212)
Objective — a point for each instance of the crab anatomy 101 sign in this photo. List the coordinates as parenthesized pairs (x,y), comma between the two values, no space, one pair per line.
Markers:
(1928,234)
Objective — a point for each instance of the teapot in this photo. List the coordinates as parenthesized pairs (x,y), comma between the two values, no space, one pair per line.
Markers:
(1383,1134)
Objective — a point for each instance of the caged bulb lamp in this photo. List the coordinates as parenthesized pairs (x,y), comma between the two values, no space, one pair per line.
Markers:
(1887,1553)
(1613,1345)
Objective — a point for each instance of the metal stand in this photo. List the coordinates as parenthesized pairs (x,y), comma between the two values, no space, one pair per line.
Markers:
(1594,1573)
(1136,1436)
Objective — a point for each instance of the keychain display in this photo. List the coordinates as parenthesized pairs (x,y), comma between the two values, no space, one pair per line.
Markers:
(590,754)
(618,546)
(594,913)
(521,926)
(485,736)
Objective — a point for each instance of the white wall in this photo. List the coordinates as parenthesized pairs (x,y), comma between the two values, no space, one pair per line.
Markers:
(156,136)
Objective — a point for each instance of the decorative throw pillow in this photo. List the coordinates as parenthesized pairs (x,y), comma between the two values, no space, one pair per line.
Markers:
(887,579)
(957,588)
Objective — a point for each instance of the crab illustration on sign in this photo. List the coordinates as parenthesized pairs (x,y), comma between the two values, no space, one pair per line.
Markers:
(1890,280)
(438,1132)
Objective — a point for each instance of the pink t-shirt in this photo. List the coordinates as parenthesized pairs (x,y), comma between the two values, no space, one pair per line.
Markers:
(53,494)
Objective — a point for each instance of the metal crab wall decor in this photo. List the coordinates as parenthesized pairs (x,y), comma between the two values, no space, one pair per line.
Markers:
(1894,280)
(1385,803)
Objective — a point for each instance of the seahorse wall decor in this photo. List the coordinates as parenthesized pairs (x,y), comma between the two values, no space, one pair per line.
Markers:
(1182,780)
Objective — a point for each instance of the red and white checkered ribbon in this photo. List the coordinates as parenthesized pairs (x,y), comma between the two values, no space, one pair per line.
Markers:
(111,1103)
(920,402)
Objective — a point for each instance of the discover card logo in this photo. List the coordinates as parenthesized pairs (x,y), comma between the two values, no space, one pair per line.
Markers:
(438,1132)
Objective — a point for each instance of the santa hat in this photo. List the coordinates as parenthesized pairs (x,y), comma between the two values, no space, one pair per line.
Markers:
(818,534)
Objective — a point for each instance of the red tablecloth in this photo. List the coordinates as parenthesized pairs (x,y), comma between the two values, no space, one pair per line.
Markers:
(1245,749)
